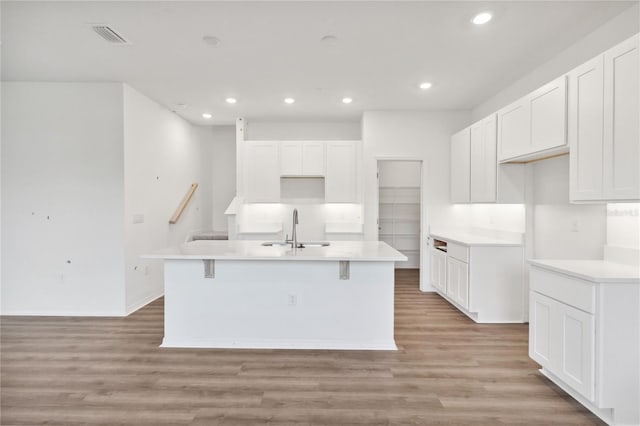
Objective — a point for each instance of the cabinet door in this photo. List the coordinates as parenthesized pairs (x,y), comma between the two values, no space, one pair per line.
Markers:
(562,340)
(513,130)
(313,159)
(483,160)
(541,331)
(586,113)
(460,167)
(577,350)
(438,270)
(458,282)
(291,158)
(341,173)
(548,109)
(262,177)
(621,122)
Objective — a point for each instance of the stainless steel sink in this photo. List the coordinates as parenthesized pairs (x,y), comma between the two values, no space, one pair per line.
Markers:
(300,245)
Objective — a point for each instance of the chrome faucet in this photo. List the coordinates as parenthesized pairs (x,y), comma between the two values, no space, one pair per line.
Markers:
(294,234)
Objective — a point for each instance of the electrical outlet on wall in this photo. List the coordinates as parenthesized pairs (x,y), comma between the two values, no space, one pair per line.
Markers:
(292,300)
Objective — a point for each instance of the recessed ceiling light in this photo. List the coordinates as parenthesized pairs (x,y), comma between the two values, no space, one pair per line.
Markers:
(347,100)
(289,101)
(211,40)
(231,100)
(482,18)
(426,85)
(206,115)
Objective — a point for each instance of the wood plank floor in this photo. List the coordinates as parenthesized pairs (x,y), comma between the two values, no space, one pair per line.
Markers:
(110,371)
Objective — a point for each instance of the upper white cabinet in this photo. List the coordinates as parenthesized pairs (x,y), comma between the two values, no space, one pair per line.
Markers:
(460,167)
(341,176)
(483,161)
(536,125)
(604,126)
(302,158)
(475,175)
(621,122)
(262,177)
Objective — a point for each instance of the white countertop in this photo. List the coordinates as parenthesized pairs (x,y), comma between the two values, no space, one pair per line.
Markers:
(469,239)
(592,270)
(371,251)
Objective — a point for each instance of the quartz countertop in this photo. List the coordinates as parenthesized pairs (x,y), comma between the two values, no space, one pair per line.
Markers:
(592,270)
(469,239)
(371,251)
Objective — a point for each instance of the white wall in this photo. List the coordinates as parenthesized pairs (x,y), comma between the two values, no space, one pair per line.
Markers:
(623,225)
(293,130)
(562,230)
(411,135)
(62,199)
(612,32)
(223,167)
(163,156)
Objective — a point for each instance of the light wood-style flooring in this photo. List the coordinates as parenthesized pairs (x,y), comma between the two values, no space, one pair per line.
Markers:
(110,371)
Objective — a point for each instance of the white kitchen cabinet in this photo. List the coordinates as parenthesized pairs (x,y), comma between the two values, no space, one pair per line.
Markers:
(483,279)
(439,270)
(341,178)
(475,172)
(604,126)
(584,330)
(513,130)
(621,122)
(460,166)
(262,166)
(535,126)
(483,161)
(548,115)
(458,281)
(302,158)
(562,340)
(586,130)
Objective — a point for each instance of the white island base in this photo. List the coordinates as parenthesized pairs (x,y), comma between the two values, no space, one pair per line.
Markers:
(279,304)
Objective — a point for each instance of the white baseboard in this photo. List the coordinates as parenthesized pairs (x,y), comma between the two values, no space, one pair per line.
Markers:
(277,344)
(36,313)
(143,302)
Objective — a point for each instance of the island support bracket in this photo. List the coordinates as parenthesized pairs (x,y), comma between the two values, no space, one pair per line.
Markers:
(344,269)
(209,268)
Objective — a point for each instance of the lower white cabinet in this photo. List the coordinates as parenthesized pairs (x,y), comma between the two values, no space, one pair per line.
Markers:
(562,340)
(485,282)
(586,336)
(439,270)
(458,282)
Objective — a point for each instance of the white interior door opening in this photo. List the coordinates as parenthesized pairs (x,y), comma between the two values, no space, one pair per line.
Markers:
(400,208)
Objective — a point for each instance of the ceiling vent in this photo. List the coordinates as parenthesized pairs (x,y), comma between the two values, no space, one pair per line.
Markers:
(109,34)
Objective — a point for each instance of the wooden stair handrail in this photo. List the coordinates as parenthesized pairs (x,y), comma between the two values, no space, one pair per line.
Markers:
(183,204)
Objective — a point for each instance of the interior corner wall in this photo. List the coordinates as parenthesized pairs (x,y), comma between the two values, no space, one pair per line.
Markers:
(223,165)
(606,36)
(411,135)
(562,230)
(62,199)
(163,156)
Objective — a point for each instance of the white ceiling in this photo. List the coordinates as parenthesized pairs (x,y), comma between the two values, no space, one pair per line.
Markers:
(271,50)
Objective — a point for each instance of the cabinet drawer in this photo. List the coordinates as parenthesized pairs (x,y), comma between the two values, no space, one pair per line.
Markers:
(577,293)
(458,251)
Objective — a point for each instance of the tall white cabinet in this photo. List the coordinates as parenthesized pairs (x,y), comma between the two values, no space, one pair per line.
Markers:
(262,177)
(604,126)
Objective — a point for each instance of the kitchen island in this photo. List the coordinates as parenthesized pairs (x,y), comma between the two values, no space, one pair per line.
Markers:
(241,294)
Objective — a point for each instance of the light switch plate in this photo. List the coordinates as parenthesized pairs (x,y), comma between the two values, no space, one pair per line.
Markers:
(138,218)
